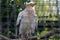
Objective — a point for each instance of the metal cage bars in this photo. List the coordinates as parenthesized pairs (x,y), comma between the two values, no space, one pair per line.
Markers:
(8,20)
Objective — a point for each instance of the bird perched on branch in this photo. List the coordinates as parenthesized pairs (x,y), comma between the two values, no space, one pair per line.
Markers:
(27,20)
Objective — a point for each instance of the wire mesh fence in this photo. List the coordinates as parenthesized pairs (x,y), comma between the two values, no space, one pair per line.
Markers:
(48,12)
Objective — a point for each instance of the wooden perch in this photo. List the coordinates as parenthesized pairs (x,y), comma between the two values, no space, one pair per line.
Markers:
(4,37)
(41,36)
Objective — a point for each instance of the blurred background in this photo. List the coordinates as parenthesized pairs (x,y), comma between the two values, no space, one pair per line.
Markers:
(48,12)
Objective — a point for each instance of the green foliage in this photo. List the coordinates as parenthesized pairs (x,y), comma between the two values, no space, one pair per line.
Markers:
(10,10)
(45,8)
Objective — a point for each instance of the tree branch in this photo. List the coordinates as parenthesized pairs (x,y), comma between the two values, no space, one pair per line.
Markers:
(47,35)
